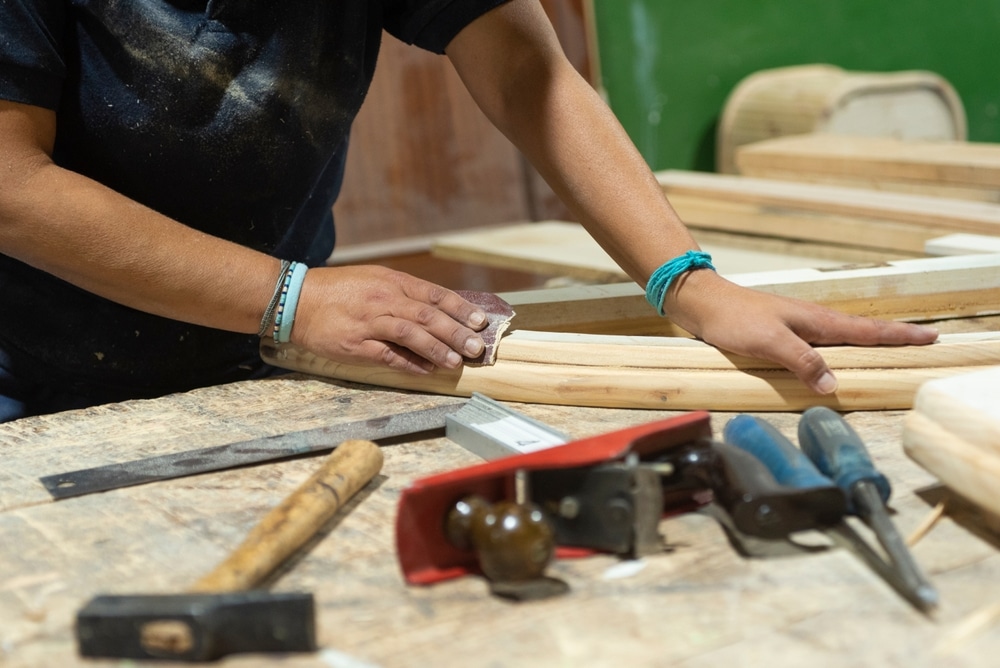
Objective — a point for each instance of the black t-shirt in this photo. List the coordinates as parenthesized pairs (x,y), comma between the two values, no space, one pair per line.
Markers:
(231,116)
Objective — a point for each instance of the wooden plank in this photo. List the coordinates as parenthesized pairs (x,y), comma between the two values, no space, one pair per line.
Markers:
(964,170)
(971,471)
(822,98)
(962,244)
(917,289)
(560,248)
(831,214)
(659,386)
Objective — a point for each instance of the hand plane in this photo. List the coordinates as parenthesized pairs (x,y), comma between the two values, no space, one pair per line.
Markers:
(606,493)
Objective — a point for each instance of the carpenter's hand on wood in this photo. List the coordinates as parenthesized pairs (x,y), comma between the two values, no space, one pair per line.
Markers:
(370,314)
(778,329)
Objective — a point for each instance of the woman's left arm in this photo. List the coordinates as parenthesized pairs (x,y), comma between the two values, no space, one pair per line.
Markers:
(515,69)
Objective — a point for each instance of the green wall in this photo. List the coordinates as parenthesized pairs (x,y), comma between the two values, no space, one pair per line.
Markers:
(668,65)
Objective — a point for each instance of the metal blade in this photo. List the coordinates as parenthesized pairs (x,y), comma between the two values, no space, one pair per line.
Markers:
(190,462)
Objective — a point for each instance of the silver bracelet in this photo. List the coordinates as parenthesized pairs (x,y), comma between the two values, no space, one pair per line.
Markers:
(265,322)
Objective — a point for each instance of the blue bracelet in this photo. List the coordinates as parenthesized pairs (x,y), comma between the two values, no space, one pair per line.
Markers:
(667,273)
(285,316)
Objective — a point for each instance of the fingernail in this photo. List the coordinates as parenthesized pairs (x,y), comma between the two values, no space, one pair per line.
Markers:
(474,346)
(477,318)
(827,384)
(453,359)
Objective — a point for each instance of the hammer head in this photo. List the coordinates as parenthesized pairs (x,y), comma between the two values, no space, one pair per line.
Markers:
(196,627)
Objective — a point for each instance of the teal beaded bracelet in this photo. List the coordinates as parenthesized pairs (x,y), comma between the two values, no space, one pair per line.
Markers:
(667,273)
(285,315)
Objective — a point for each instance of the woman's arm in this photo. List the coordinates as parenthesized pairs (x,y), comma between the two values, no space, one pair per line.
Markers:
(75,228)
(512,63)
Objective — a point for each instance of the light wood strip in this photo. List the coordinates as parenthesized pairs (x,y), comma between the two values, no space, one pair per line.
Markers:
(913,209)
(657,386)
(970,471)
(878,159)
(918,289)
(673,353)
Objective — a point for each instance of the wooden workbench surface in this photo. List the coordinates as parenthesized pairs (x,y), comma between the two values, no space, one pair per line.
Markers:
(700,604)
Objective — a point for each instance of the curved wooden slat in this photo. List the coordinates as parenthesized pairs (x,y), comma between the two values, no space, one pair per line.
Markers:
(732,388)
(655,352)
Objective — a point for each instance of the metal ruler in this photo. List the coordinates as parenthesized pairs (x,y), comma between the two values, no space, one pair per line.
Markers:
(254,451)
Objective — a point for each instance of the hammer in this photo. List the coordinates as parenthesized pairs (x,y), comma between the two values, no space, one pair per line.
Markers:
(221,614)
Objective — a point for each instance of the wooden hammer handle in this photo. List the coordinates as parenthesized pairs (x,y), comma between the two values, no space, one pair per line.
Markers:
(288,526)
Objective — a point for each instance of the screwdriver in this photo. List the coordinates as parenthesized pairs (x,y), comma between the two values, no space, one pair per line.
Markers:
(790,466)
(838,451)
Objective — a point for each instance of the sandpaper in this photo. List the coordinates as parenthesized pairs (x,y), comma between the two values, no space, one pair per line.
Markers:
(498,315)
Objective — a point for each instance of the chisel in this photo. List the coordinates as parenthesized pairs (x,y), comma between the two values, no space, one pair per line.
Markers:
(839,452)
(793,467)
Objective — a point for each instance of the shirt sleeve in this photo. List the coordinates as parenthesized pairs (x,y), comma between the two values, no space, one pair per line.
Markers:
(432,24)
(32,68)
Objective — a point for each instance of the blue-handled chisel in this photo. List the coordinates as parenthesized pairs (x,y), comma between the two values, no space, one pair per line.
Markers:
(838,451)
(793,468)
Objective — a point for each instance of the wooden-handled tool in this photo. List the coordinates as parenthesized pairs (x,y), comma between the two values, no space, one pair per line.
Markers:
(220,615)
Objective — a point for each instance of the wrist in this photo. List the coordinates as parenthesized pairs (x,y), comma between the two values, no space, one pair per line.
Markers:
(667,277)
(279,316)
(692,298)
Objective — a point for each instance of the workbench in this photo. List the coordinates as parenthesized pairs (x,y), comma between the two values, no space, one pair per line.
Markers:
(698,604)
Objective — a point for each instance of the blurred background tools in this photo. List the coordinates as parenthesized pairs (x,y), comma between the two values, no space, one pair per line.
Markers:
(834,457)
(219,616)
(606,493)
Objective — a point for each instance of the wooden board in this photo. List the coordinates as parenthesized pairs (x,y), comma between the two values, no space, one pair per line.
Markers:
(917,289)
(954,432)
(698,604)
(836,215)
(963,170)
(962,244)
(659,374)
(561,248)
(821,98)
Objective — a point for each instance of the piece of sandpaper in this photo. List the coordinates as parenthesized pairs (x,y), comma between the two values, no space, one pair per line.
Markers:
(498,316)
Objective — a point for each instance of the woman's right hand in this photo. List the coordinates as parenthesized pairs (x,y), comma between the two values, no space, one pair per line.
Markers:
(367,314)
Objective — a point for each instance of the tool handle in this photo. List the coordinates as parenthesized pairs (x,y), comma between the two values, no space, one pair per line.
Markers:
(787,463)
(839,452)
(289,525)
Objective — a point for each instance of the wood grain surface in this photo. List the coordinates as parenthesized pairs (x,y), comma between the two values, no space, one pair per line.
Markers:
(698,604)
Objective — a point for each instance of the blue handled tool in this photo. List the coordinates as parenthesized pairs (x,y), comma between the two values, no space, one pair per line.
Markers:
(819,503)
(792,468)
(839,452)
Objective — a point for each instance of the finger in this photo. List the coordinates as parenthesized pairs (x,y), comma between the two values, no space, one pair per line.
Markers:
(429,334)
(393,357)
(806,363)
(824,326)
(442,328)
(870,332)
(450,303)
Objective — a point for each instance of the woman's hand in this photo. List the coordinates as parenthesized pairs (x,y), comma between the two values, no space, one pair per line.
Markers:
(373,315)
(778,329)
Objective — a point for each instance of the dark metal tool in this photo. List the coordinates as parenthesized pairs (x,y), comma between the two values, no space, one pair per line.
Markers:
(796,468)
(839,452)
(254,451)
(220,614)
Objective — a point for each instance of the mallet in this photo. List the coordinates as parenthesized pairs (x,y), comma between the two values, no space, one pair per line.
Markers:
(221,614)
